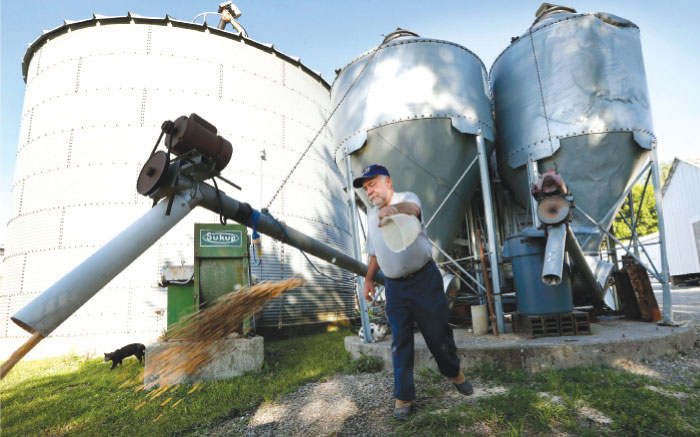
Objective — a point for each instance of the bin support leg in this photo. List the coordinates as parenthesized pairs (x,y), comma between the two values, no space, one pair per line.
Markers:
(364,316)
(656,177)
(490,228)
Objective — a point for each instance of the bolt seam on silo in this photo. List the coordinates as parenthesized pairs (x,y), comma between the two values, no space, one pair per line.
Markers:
(7,318)
(38,63)
(143,105)
(221,80)
(29,129)
(284,75)
(136,193)
(60,228)
(70,148)
(539,82)
(21,277)
(148,39)
(21,199)
(77,75)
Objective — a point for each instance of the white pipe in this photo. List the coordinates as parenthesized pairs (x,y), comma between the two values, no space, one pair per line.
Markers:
(51,308)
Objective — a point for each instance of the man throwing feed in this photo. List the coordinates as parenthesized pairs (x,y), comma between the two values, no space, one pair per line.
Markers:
(414,290)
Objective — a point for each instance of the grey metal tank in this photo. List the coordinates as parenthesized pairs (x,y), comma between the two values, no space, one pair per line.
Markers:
(571,93)
(415,105)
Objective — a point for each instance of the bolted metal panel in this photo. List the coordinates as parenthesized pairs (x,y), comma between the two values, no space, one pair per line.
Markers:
(416,108)
(95,99)
(595,173)
(574,74)
(409,79)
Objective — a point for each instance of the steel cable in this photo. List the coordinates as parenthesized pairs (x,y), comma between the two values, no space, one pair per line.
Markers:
(303,155)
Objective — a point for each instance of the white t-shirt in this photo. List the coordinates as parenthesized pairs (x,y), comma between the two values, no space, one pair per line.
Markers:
(409,260)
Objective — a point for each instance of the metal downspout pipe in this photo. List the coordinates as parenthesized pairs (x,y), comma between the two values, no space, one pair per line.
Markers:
(553,264)
(490,229)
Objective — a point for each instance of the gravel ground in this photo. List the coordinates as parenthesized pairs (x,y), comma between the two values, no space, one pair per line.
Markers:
(354,405)
(348,405)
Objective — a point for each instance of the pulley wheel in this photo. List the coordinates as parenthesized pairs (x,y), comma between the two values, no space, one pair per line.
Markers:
(553,210)
(153,173)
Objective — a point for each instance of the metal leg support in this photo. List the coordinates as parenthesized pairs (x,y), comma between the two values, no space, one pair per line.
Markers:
(364,316)
(656,177)
(490,229)
(630,199)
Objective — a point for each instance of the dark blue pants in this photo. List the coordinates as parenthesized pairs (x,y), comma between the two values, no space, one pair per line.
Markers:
(420,299)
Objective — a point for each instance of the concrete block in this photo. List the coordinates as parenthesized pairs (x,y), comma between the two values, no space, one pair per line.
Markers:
(234,357)
(610,341)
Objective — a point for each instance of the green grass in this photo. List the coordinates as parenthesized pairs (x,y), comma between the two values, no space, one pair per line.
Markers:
(77,396)
(73,395)
(522,410)
(364,364)
(623,397)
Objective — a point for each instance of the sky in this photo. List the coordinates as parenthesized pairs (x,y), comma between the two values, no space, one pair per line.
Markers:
(328,34)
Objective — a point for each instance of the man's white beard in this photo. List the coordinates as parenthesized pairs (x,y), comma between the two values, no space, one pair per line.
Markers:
(377,201)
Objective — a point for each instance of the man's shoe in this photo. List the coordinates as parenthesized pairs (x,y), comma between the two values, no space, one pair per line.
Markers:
(465,388)
(402,413)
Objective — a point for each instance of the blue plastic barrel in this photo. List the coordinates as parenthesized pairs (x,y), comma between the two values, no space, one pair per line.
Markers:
(526,251)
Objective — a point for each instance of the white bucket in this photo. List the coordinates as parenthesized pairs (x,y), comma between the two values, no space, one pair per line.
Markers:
(399,231)
(480,319)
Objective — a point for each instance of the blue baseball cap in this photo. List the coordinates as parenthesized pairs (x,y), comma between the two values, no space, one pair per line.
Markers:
(368,173)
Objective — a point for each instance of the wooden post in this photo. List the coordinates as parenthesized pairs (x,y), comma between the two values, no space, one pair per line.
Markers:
(487,284)
(20,353)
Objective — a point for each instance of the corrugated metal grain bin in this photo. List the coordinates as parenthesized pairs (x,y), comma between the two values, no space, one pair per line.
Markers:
(97,93)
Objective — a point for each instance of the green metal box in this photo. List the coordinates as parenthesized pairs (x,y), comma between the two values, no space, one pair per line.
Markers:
(220,262)
(181,302)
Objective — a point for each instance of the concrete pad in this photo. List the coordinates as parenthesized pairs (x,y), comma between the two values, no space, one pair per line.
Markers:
(610,341)
(233,357)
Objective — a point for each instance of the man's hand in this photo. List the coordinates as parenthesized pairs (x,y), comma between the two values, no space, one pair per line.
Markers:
(386,212)
(409,208)
(369,291)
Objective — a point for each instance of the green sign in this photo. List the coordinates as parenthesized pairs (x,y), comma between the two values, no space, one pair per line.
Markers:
(220,238)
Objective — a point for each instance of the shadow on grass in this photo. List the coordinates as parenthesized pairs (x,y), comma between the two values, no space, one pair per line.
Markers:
(551,402)
(72,395)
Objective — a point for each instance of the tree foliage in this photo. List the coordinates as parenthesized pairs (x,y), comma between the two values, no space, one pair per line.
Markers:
(647,220)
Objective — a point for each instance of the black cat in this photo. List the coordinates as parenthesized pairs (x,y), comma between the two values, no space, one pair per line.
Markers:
(136,349)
